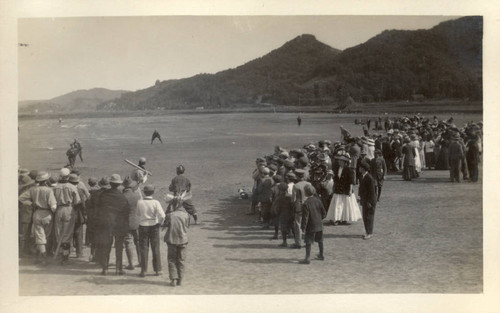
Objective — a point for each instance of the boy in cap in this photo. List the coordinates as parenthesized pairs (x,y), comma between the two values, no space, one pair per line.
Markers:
(44,203)
(177,223)
(313,213)
(151,216)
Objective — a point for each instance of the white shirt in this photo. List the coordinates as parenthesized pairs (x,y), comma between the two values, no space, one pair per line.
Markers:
(150,212)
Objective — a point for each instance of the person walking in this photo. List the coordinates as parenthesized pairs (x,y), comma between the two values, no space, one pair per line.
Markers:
(151,216)
(44,203)
(368,198)
(133,195)
(111,223)
(313,213)
(176,238)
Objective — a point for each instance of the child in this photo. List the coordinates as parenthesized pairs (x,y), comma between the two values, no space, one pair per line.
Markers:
(151,216)
(313,213)
(177,223)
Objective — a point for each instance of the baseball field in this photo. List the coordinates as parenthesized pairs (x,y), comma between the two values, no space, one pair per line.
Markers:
(428,234)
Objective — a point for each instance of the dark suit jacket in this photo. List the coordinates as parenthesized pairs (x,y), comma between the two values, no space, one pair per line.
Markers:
(368,191)
(378,169)
(112,214)
(313,213)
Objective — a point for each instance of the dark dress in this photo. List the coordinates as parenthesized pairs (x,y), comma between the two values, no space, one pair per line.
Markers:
(409,162)
(442,162)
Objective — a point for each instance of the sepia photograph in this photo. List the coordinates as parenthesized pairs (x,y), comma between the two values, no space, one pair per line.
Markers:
(251,155)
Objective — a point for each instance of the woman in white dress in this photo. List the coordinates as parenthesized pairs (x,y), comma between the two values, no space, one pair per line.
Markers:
(415,143)
(343,207)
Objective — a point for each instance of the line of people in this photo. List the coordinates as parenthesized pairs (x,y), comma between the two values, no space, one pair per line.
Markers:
(53,211)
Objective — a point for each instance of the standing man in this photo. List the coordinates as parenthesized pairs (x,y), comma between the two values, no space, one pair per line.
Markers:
(265,195)
(178,185)
(133,194)
(299,120)
(473,157)
(67,197)
(298,198)
(151,216)
(111,223)
(378,170)
(456,156)
(80,214)
(25,214)
(368,196)
(313,213)
(140,176)
(78,147)
(44,203)
(177,223)
(156,134)
(92,214)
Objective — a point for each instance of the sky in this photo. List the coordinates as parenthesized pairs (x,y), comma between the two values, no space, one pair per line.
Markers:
(131,53)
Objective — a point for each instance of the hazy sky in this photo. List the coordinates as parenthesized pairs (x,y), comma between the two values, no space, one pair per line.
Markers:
(131,53)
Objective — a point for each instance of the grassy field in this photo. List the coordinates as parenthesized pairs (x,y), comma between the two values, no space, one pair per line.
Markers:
(428,233)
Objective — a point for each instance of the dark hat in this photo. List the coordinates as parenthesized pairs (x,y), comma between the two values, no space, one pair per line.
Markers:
(75,171)
(42,176)
(128,182)
(303,160)
(321,142)
(104,183)
(300,172)
(273,167)
(73,178)
(309,190)
(53,180)
(283,187)
(291,175)
(288,163)
(277,178)
(342,155)
(115,179)
(92,181)
(455,136)
(180,169)
(413,137)
(364,165)
(33,174)
(258,160)
(149,188)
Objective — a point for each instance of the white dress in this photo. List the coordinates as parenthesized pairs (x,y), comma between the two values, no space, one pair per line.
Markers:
(343,208)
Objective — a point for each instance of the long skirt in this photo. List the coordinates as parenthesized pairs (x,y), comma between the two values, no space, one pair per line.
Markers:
(409,172)
(429,159)
(418,164)
(343,208)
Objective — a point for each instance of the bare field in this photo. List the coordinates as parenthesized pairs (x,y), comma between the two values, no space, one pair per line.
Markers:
(428,233)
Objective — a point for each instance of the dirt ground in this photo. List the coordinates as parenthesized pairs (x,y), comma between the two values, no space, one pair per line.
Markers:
(428,233)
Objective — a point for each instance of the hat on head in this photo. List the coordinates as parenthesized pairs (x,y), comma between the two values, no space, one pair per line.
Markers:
(273,167)
(128,182)
(53,181)
(23,171)
(64,172)
(303,160)
(258,160)
(277,178)
(309,190)
(33,174)
(149,188)
(328,142)
(25,181)
(321,142)
(42,176)
(413,137)
(455,136)
(181,169)
(73,178)
(300,172)
(364,165)
(265,170)
(75,171)
(390,131)
(283,187)
(92,181)
(115,179)
(288,163)
(322,157)
(142,160)
(104,183)
(291,175)
(342,155)
(284,154)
